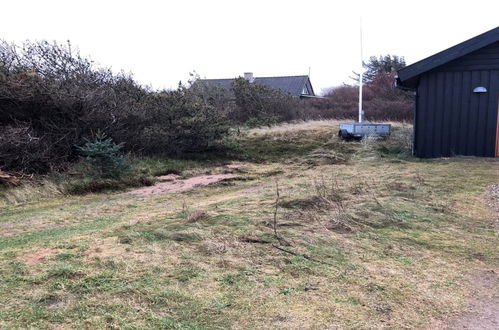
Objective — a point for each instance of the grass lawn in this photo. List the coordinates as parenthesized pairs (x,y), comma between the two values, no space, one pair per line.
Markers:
(366,238)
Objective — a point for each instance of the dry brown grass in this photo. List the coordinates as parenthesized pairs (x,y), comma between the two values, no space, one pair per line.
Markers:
(391,244)
(196,216)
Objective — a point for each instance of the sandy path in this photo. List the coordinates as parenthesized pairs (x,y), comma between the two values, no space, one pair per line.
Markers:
(175,184)
(483,310)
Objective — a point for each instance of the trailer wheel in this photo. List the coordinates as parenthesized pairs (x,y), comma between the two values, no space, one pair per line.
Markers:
(344,135)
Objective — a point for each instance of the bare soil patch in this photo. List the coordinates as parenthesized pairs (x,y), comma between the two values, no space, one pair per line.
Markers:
(172,184)
(483,310)
(38,256)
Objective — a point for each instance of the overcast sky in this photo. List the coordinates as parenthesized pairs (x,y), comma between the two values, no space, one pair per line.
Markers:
(162,41)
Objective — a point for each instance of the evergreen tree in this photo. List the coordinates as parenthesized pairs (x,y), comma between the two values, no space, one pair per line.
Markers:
(381,64)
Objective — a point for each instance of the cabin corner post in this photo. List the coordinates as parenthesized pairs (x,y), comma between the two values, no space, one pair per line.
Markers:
(497,132)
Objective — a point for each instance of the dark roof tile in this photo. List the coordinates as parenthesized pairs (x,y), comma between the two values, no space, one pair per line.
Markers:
(408,75)
(287,84)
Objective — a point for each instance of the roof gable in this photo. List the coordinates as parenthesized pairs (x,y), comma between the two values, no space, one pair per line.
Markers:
(408,76)
(288,84)
(292,85)
(224,83)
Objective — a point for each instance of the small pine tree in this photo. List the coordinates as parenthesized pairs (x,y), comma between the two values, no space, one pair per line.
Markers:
(105,157)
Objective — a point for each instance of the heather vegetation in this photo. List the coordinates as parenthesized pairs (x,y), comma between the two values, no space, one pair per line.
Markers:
(382,100)
(310,231)
(93,129)
(248,104)
(255,105)
(53,101)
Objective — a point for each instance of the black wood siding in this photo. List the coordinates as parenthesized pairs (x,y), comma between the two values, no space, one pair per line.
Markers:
(450,118)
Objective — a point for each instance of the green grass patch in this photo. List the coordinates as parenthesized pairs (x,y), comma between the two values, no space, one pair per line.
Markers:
(58,233)
(417,233)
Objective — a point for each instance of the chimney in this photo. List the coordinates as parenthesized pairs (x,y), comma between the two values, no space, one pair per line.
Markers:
(249,76)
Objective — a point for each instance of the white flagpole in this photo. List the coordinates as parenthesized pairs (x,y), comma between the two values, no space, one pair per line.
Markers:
(360,74)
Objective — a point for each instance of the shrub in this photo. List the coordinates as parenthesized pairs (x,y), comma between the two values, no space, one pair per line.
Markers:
(213,95)
(178,122)
(53,99)
(339,103)
(262,104)
(21,149)
(104,157)
(245,103)
(382,101)
(85,185)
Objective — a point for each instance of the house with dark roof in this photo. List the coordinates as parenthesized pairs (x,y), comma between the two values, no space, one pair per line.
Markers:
(297,86)
(457,99)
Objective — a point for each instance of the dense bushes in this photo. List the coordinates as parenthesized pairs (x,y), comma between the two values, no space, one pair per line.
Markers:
(382,101)
(177,122)
(21,149)
(254,105)
(53,100)
(259,104)
(246,103)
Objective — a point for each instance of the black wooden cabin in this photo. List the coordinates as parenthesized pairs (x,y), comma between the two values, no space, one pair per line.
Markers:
(457,99)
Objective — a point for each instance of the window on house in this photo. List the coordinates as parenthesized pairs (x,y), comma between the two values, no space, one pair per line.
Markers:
(305,90)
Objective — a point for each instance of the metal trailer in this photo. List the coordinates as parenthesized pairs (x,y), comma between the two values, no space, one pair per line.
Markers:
(360,129)
(349,131)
